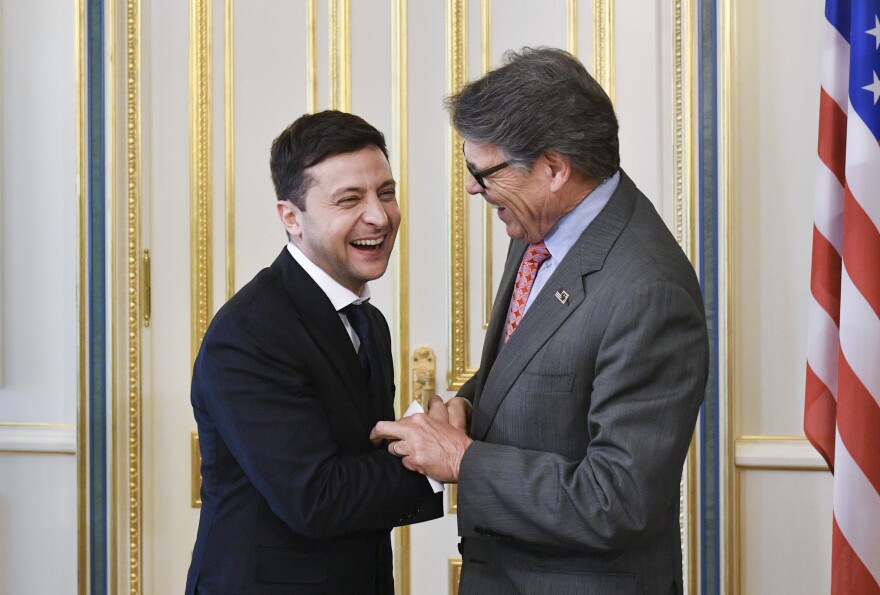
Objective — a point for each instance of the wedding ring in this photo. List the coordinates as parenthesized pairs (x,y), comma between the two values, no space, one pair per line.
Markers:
(394,449)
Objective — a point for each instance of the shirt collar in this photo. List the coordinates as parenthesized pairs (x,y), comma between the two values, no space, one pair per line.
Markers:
(339,295)
(570,227)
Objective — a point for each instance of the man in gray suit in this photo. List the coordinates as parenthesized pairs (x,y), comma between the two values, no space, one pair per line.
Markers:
(595,361)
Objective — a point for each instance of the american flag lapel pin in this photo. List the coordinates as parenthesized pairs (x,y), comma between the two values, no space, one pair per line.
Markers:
(562,296)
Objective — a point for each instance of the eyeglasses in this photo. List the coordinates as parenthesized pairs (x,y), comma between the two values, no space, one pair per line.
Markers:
(479,175)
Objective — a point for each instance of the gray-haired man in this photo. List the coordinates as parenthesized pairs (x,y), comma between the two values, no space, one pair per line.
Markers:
(595,361)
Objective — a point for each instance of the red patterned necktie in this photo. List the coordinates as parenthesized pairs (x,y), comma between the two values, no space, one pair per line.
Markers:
(533,258)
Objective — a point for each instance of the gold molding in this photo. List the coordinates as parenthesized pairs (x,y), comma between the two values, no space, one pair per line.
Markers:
(685,197)
(730,539)
(312,55)
(459,372)
(572,27)
(195,456)
(340,55)
(82,354)
(488,212)
(454,574)
(229,130)
(603,44)
(452,504)
(400,117)
(200,170)
(113,302)
(133,127)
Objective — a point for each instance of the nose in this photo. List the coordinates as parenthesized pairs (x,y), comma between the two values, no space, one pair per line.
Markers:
(472,187)
(374,212)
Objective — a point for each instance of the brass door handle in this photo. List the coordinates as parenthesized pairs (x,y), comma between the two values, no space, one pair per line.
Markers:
(423,374)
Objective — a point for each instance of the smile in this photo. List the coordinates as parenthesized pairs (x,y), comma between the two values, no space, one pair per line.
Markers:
(375,243)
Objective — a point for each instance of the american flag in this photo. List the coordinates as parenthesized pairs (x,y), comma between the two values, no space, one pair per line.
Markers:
(842,412)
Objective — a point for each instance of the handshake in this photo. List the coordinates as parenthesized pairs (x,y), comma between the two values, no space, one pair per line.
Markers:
(431,443)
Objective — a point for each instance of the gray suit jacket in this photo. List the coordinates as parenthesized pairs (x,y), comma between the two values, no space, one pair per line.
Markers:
(582,421)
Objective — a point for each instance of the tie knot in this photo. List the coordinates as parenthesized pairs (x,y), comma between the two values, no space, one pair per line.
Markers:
(536,253)
(355,312)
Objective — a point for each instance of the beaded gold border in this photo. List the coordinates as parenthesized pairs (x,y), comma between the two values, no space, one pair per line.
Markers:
(456,69)
(133,186)
(340,55)
(603,44)
(200,171)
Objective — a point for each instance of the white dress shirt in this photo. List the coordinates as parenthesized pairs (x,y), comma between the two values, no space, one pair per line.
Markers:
(339,296)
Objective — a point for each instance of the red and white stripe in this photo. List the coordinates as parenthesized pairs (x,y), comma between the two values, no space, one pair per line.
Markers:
(842,413)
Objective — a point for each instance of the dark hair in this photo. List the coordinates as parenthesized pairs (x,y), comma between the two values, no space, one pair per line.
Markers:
(541,99)
(311,139)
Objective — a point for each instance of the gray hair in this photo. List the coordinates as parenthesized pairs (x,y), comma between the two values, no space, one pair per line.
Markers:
(541,99)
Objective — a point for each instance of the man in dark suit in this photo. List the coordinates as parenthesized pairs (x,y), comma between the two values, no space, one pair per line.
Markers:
(293,373)
(595,360)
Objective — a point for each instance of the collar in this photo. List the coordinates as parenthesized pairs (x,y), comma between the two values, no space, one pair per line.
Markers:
(338,295)
(569,228)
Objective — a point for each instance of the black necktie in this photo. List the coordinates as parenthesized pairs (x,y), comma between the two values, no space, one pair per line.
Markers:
(368,353)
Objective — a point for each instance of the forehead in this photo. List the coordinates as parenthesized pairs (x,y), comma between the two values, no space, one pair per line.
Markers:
(478,153)
(366,166)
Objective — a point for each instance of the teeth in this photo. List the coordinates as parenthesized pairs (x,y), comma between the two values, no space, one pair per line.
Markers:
(375,242)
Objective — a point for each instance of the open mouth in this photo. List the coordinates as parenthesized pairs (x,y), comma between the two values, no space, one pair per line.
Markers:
(369,245)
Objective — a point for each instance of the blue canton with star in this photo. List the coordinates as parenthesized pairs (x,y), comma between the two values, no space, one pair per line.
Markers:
(858,21)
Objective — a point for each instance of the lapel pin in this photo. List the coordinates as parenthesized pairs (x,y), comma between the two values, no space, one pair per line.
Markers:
(562,296)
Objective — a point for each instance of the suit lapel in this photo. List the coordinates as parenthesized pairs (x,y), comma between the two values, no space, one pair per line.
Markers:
(547,313)
(321,321)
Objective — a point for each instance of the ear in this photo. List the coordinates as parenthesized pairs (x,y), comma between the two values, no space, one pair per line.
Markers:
(559,170)
(291,218)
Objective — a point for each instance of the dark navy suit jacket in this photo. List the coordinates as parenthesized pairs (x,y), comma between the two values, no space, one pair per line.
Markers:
(295,499)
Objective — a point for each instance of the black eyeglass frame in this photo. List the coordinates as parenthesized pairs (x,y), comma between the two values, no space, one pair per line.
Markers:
(479,175)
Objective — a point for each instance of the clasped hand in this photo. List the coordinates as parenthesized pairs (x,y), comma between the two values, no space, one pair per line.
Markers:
(431,443)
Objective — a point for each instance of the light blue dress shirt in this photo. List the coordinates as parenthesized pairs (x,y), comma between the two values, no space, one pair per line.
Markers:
(567,230)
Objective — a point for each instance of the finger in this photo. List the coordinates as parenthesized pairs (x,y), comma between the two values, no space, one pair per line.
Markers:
(437,409)
(394,448)
(458,410)
(388,430)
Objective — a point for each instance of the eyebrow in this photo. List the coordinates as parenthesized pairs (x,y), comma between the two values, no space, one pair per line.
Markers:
(359,190)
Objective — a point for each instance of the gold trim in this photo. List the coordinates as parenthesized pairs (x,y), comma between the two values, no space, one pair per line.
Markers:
(82,521)
(200,170)
(195,457)
(312,55)
(454,574)
(759,438)
(113,302)
(603,44)
(147,288)
(685,155)
(229,116)
(572,27)
(452,504)
(488,212)
(400,106)
(133,128)
(340,55)
(730,486)
(456,31)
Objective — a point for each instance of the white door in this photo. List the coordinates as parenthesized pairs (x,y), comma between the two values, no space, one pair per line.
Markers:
(215,89)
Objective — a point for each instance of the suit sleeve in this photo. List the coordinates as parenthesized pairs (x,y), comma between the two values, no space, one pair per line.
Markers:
(270,423)
(650,377)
